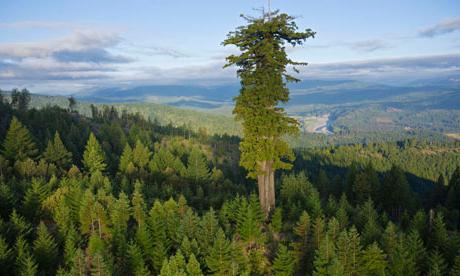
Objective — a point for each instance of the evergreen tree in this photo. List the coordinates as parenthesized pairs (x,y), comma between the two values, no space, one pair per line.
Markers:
(197,169)
(249,221)
(141,155)
(262,70)
(136,260)
(455,270)
(325,255)
(373,261)
(193,266)
(302,243)
(57,154)
(283,265)
(20,99)
(6,257)
(18,143)
(45,251)
(437,264)
(396,192)
(453,193)
(25,263)
(126,161)
(93,157)
(219,260)
(416,250)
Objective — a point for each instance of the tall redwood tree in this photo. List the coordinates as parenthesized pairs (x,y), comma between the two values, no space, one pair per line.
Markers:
(262,70)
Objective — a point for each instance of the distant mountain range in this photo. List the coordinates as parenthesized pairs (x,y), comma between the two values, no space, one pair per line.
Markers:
(427,94)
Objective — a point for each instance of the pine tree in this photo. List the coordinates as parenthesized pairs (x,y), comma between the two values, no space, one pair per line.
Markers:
(262,70)
(219,260)
(93,157)
(453,193)
(57,154)
(416,250)
(193,266)
(6,257)
(197,169)
(396,192)
(437,264)
(302,243)
(160,241)
(25,263)
(283,265)
(20,100)
(455,270)
(18,143)
(373,261)
(277,220)
(175,267)
(249,221)
(45,250)
(324,256)
(138,204)
(141,155)
(126,161)
(136,260)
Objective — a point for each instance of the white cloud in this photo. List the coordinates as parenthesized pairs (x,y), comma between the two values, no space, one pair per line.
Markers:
(443,27)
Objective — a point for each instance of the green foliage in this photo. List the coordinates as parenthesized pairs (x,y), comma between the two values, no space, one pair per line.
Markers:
(83,222)
(57,154)
(93,157)
(283,265)
(18,143)
(197,169)
(262,70)
(220,260)
(193,266)
(249,221)
(45,250)
(373,261)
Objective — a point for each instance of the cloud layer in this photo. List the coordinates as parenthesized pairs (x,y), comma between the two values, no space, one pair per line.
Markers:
(443,27)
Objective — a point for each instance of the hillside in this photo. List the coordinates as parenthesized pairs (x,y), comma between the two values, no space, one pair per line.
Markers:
(102,192)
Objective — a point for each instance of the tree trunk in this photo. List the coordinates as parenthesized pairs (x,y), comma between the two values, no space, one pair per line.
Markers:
(266,183)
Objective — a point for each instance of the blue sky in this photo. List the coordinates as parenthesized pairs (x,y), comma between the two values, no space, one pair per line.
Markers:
(60,46)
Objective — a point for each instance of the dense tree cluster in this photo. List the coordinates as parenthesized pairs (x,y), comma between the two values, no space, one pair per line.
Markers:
(118,195)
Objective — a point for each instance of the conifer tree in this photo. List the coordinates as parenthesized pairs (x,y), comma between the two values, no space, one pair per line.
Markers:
(20,99)
(25,263)
(455,270)
(249,221)
(373,261)
(126,160)
(136,260)
(438,266)
(93,157)
(138,204)
(197,169)
(160,241)
(283,265)
(6,257)
(18,143)
(302,243)
(416,250)
(45,250)
(453,193)
(209,226)
(141,155)
(57,154)
(219,260)
(324,257)
(262,71)
(193,266)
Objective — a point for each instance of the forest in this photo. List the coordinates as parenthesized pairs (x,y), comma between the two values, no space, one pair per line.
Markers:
(116,194)
(114,190)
